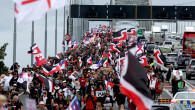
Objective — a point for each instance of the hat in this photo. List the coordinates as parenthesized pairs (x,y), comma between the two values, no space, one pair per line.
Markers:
(41,102)
(60,94)
(64,81)
(14,84)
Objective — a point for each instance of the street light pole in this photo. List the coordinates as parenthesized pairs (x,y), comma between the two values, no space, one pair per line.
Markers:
(32,41)
(14,38)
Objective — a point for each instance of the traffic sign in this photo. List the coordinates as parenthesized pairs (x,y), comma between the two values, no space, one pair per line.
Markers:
(139,32)
(67,37)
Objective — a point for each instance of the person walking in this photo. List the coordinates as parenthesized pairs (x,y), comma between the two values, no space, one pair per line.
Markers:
(158,89)
(152,85)
(174,85)
(170,70)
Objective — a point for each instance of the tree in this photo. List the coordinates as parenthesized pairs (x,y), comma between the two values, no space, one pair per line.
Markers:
(3,68)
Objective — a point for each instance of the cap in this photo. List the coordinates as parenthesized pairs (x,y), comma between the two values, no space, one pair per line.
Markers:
(64,81)
(60,94)
(14,84)
(41,102)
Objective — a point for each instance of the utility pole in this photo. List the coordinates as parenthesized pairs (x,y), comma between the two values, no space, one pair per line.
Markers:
(56,31)
(45,36)
(14,39)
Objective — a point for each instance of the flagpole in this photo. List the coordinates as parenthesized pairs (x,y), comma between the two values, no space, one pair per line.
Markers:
(56,32)
(32,41)
(64,29)
(14,38)
(46,36)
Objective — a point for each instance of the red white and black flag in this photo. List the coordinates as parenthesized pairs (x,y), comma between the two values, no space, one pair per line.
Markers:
(120,35)
(47,70)
(40,60)
(48,84)
(34,49)
(131,31)
(89,61)
(159,56)
(143,60)
(134,83)
(105,63)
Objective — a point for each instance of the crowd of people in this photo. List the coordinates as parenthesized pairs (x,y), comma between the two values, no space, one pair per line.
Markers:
(88,85)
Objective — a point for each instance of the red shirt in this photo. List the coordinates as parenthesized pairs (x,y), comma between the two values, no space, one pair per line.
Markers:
(157,86)
(82,82)
(89,102)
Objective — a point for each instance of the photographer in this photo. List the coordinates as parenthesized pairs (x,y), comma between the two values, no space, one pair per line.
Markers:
(90,101)
(15,67)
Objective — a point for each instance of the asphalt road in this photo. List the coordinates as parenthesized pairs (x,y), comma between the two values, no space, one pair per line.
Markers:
(191,81)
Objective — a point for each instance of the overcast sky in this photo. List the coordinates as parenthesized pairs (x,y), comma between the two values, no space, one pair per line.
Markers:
(24,30)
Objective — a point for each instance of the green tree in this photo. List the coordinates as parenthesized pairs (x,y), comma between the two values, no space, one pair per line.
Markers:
(3,68)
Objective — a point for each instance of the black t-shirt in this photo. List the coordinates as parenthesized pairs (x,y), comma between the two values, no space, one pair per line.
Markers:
(19,104)
(98,83)
(108,97)
(59,101)
(116,87)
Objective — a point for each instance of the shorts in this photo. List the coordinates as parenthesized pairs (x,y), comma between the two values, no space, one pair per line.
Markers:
(121,99)
(100,99)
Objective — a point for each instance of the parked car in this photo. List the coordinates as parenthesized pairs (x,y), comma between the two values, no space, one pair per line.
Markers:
(150,48)
(168,44)
(190,69)
(165,51)
(187,99)
(182,61)
(178,51)
(171,58)
(160,45)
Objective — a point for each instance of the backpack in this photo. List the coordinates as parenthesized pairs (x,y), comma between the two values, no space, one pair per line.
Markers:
(181,84)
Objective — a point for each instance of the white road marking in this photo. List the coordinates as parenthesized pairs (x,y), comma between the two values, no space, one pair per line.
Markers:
(168,93)
(21,94)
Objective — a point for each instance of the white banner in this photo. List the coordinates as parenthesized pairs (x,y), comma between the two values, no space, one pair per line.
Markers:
(100,93)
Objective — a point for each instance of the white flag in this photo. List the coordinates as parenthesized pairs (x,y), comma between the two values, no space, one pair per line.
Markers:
(30,10)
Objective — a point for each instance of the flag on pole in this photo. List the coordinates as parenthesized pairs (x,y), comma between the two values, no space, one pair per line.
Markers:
(109,56)
(120,43)
(134,83)
(47,70)
(140,48)
(89,60)
(159,56)
(63,64)
(31,10)
(109,85)
(131,31)
(34,49)
(120,35)
(105,64)
(74,105)
(40,60)
(48,84)
(143,60)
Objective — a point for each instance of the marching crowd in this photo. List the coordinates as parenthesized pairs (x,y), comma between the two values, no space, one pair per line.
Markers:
(97,88)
